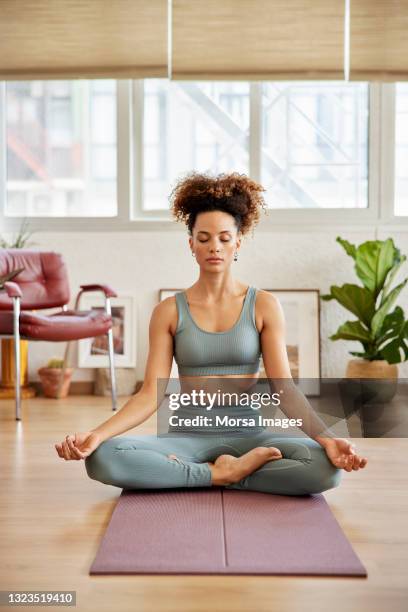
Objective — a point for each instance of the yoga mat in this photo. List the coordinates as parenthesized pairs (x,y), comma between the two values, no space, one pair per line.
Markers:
(223,531)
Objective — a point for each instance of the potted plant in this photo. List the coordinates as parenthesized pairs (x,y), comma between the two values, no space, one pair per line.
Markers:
(383,332)
(50,376)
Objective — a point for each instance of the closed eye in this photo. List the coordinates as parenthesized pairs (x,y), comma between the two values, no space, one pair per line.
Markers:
(228,240)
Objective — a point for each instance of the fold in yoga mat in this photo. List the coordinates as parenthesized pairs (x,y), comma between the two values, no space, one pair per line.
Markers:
(222,531)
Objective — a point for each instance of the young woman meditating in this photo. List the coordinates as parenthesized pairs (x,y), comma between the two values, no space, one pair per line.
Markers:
(217,330)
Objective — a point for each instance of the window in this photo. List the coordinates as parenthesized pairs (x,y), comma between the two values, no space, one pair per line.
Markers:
(315,144)
(104,154)
(192,126)
(61,148)
(312,149)
(401,149)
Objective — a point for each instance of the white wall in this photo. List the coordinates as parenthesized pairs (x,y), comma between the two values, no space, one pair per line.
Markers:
(139,263)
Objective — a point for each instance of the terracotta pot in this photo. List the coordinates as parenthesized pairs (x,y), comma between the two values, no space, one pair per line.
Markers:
(50,379)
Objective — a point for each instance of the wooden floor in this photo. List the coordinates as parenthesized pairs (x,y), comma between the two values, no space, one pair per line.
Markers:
(52,519)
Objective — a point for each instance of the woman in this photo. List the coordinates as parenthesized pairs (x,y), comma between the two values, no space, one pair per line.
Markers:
(216,329)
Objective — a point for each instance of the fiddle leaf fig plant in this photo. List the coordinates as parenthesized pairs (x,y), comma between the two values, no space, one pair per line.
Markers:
(382,332)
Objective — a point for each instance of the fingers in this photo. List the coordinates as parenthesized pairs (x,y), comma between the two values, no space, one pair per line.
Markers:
(348,465)
(75,452)
(59,450)
(352,462)
(67,450)
(360,462)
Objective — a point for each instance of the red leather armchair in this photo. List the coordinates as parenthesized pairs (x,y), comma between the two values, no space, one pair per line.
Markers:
(43,284)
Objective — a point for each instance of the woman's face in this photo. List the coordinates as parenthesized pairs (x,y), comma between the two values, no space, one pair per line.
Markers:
(214,236)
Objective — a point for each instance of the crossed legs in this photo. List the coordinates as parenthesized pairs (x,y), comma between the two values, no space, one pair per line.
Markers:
(143,462)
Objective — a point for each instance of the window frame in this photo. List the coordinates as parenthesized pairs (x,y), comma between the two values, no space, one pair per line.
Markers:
(132,217)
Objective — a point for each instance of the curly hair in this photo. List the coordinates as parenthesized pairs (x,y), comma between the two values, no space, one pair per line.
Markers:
(233,193)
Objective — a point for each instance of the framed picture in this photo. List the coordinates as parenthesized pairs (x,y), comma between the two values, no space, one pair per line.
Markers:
(93,352)
(163,294)
(301,308)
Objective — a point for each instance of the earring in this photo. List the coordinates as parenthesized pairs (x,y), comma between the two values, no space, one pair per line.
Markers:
(193,254)
(236,256)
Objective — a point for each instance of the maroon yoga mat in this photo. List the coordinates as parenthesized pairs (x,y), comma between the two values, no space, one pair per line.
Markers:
(224,531)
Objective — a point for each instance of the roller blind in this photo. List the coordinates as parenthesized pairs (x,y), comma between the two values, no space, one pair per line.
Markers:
(43,39)
(379,40)
(257,39)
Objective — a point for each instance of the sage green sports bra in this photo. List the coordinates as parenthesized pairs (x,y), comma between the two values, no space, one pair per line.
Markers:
(202,353)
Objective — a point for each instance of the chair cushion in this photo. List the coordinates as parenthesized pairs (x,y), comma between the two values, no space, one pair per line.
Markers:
(43,280)
(59,326)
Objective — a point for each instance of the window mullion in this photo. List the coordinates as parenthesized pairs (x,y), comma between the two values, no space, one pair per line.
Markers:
(255,130)
(137,106)
(387,144)
(123,151)
(374,150)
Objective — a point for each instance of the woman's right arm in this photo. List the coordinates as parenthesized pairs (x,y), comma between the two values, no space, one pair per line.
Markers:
(141,405)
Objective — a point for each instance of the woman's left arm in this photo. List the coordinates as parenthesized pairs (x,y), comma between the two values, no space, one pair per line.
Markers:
(273,341)
(292,401)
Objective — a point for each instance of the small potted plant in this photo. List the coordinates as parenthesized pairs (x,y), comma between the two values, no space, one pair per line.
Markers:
(383,332)
(50,376)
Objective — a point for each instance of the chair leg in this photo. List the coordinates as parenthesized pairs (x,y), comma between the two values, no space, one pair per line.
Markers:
(16,330)
(108,311)
(112,369)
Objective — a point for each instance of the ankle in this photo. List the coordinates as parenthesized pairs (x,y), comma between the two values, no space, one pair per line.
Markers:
(219,476)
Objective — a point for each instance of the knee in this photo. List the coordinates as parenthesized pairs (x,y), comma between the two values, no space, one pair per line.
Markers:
(324,480)
(99,464)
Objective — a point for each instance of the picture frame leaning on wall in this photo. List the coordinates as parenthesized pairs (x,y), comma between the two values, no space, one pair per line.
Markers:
(93,352)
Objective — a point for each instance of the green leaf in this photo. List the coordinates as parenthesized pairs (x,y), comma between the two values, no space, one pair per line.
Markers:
(396,335)
(348,247)
(392,325)
(351,330)
(391,352)
(378,318)
(357,300)
(374,259)
(397,265)
(327,297)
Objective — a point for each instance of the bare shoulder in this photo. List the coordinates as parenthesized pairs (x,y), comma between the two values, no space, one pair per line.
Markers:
(165,309)
(267,300)
(165,313)
(268,308)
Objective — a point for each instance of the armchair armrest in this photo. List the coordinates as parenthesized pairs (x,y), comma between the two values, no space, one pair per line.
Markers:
(108,291)
(12,289)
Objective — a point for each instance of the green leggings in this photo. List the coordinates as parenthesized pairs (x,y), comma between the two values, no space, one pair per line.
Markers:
(141,462)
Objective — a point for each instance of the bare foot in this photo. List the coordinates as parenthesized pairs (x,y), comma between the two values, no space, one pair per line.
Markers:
(228,469)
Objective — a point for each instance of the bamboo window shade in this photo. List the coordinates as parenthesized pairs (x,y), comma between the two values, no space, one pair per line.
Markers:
(202,39)
(51,39)
(257,39)
(379,40)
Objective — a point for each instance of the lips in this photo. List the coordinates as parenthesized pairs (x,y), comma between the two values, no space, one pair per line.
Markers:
(214,259)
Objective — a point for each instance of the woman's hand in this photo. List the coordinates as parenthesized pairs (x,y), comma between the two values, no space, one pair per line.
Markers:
(341,453)
(78,446)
